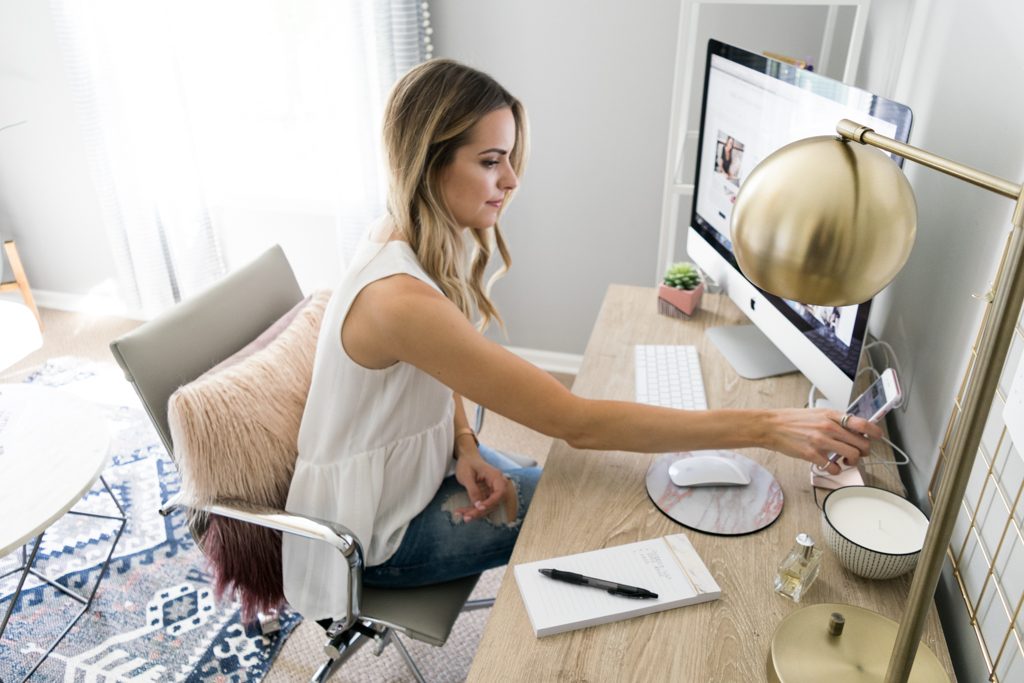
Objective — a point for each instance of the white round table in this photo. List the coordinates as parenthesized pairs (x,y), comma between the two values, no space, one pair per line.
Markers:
(53,447)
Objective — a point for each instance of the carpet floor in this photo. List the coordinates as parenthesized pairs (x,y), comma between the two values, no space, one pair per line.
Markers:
(88,337)
(154,616)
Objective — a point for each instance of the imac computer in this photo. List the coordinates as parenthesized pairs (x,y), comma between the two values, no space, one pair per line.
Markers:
(752,106)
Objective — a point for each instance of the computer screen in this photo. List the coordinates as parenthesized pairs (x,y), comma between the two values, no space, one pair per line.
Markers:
(753,105)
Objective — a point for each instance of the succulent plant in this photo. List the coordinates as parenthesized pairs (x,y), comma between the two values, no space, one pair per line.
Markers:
(682,275)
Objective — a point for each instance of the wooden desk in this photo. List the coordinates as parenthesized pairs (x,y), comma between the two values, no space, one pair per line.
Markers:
(594,499)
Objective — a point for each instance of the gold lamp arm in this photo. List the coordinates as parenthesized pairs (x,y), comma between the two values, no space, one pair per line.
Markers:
(994,339)
(855,132)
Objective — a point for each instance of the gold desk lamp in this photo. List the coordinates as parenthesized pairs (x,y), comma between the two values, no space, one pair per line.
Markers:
(823,221)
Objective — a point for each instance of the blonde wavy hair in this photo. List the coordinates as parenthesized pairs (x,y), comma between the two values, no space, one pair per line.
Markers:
(429,115)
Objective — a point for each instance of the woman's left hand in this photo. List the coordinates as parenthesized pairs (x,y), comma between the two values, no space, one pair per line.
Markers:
(484,483)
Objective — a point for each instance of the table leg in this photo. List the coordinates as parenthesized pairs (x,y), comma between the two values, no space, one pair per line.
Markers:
(24,569)
(27,569)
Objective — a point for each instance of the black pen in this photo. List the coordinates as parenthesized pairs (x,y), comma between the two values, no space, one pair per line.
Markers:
(610,586)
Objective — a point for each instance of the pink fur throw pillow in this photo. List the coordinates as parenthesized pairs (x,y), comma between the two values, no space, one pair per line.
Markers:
(235,434)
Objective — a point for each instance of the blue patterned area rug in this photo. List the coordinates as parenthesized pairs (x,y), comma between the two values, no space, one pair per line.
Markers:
(154,617)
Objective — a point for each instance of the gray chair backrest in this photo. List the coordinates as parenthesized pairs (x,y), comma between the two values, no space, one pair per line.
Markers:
(181,344)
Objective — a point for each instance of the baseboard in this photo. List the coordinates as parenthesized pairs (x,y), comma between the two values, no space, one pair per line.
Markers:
(90,304)
(551,361)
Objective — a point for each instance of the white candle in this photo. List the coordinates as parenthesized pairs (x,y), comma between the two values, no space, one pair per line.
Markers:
(877,520)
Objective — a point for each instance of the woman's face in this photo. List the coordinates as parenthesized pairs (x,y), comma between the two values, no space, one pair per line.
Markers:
(478,179)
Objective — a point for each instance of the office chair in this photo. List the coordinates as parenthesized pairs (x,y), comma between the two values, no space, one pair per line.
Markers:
(186,341)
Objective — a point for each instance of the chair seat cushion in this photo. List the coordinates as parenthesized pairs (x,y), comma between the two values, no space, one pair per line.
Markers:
(427,613)
(235,435)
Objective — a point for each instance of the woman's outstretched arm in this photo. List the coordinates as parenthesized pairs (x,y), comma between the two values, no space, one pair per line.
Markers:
(403,319)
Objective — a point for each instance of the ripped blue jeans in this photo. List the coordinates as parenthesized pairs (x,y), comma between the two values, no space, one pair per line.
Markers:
(438,546)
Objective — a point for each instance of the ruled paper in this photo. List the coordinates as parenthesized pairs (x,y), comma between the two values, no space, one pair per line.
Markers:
(668,566)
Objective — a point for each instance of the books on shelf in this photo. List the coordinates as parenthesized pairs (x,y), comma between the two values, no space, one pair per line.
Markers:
(668,566)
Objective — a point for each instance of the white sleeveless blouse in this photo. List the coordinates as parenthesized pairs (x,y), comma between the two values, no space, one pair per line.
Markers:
(374,446)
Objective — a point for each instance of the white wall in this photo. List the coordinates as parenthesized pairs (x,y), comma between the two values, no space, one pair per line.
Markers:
(47,200)
(966,104)
(961,75)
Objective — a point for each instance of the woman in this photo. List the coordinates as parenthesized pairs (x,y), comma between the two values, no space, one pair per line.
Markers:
(726,159)
(385,446)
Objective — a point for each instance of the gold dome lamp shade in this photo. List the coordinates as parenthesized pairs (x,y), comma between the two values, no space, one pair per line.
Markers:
(824,222)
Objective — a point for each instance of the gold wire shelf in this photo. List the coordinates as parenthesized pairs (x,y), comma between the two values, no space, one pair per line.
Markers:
(996,505)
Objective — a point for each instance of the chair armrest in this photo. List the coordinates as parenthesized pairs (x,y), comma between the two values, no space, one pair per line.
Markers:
(336,535)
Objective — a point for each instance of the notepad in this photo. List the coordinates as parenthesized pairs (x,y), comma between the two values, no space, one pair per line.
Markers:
(668,566)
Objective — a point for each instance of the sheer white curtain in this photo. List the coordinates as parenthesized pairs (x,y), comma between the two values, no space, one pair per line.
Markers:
(192,105)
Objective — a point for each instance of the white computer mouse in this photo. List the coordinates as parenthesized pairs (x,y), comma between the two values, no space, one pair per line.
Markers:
(707,470)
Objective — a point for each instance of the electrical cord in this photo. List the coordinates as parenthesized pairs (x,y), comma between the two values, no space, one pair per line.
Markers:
(866,463)
(867,368)
(890,355)
(900,463)
(891,360)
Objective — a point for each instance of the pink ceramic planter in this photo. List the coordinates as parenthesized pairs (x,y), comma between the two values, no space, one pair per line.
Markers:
(684,300)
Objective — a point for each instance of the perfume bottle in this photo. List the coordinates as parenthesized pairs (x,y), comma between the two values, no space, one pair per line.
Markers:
(800,568)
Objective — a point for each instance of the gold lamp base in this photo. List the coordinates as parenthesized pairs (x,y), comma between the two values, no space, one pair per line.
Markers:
(804,649)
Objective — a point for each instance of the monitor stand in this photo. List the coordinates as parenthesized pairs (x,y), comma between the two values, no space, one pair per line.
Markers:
(750,353)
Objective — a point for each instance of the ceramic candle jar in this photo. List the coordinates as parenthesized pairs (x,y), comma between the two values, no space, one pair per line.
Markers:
(874,533)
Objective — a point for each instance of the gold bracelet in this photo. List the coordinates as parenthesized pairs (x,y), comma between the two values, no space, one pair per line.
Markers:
(463,432)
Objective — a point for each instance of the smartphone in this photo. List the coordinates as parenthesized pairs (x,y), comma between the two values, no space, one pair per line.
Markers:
(881,397)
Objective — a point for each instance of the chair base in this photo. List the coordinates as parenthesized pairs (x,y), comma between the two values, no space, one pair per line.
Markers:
(345,644)
(342,645)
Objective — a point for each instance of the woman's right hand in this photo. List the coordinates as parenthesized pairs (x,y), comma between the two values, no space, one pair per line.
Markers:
(485,485)
(814,434)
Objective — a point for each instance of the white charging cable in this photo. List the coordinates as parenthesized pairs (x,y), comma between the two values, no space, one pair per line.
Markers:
(868,368)
(867,463)
(898,463)
(890,355)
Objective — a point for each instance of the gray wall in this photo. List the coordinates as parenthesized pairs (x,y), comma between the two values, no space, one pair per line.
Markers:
(596,78)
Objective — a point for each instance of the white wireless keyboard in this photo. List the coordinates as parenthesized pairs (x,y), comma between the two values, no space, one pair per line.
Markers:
(669,376)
